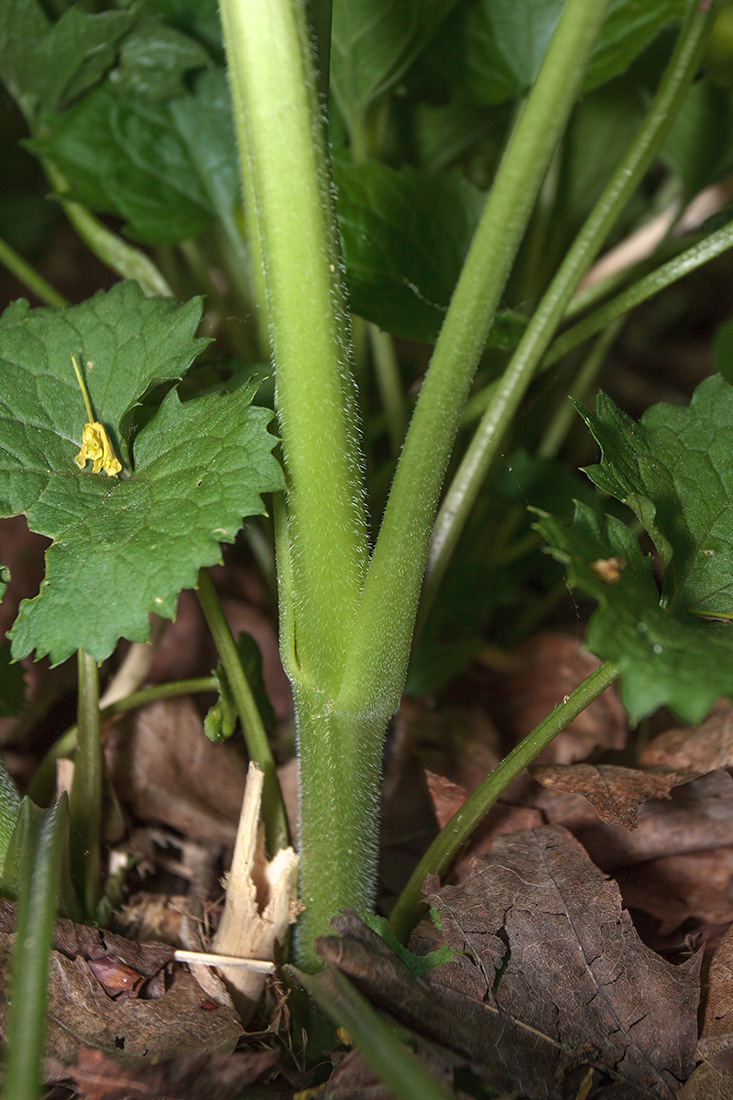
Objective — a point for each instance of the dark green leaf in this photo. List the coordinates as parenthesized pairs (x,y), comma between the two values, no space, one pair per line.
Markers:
(166,168)
(154,59)
(699,145)
(122,548)
(46,65)
(405,234)
(494,48)
(372,44)
(675,470)
(677,660)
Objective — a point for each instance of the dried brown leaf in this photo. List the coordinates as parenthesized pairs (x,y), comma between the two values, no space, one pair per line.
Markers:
(165,768)
(675,888)
(701,750)
(550,978)
(713,1079)
(540,918)
(164,1021)
(190,1077)
(615,793)
(553,666)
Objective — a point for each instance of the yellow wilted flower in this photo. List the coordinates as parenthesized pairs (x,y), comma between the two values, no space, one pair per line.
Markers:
(95,443)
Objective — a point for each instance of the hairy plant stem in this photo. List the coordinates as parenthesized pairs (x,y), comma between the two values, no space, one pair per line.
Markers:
(380,642)
(509,392)
(42,785)
(348,653)
(339,812)
(453,836)
(85,798)
(283,157)
(255,735)
(28,275)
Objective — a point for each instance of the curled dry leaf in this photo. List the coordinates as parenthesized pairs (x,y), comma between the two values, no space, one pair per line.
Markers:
(550,978)
(189,1077)
(166,770)
(542,933)
(164,1021)
(553,666)
(713,1078)
(615,793)
(702,750)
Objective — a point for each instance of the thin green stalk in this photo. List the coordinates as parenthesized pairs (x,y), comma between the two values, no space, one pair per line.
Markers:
(389,383)
(380,642)
(524,363)
(40,870)
(453,836)
(690,260)
(283,156)
(28,275)
(42,785)
(378,1041)
(85,800)
(124,259)
(255,735)
(565,416)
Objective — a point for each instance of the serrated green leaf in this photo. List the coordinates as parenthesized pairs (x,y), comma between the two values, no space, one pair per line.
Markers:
(372,44)
(142,159)
(672,659)
(45,65)
(127,344)
(155,59)
(122,548)
(494,48)
(675,470)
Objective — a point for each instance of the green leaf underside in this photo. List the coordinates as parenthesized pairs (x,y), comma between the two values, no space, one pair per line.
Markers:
(405,236)
(374,41)
(494,50)
(121,548)
(675,469)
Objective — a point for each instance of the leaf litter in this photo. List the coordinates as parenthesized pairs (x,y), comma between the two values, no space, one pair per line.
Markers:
(552,991)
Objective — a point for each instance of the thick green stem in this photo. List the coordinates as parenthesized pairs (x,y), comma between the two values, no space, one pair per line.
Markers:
(282,151)
(255,735)
(339,811)
(28,275)
(380,644)
(85,800)
(506,398)
(453,836)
